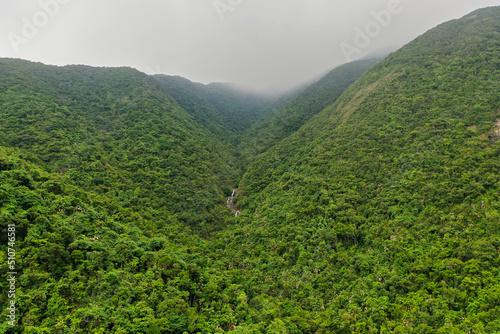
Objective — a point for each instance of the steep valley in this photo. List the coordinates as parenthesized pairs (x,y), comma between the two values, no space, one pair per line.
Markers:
(367,202)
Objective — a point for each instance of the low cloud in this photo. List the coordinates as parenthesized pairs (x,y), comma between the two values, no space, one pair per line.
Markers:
(257,43)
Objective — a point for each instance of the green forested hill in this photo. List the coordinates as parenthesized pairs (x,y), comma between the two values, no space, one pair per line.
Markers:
(89,264)
(370,209)
(113,131)
(289,116)
(111,185)
(381,214)
(218,107)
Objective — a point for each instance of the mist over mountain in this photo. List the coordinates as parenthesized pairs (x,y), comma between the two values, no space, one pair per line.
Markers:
(364,202)
(288,116)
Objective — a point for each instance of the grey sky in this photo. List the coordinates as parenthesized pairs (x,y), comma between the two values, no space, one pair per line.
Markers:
(260,43)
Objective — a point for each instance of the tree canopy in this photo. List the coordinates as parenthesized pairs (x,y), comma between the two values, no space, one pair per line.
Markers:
(370,200)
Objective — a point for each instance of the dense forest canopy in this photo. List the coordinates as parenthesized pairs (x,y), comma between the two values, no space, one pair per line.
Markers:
(370,199)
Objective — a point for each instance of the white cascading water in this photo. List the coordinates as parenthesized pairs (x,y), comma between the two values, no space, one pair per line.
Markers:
(231,205)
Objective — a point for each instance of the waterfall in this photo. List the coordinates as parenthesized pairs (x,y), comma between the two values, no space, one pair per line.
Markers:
(231,205)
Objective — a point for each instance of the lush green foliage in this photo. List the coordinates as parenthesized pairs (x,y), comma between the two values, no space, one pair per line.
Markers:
(375,210)
(111,185)
(114,131)
(381,214)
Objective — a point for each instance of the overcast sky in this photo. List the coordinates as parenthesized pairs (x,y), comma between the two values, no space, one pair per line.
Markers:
(260,43)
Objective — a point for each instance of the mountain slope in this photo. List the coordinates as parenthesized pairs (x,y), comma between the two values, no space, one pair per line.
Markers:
(381,214)
(218,107)
(290,116)
(114,130)
(88,264)
(111,186)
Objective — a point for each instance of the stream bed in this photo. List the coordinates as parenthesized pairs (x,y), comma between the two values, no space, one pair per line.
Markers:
(231,205)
